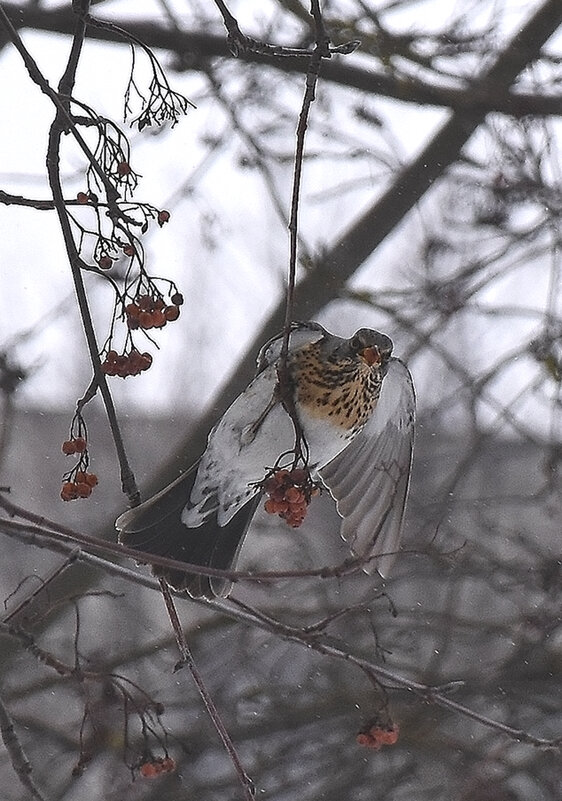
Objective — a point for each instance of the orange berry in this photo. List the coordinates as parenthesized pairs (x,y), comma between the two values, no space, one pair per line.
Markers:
(293,494)
(270,506)
(171,313)
(68,447)
(68,491)
(83,490)
(148,770)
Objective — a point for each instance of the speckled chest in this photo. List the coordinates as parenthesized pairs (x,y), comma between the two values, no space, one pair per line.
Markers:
(341,390)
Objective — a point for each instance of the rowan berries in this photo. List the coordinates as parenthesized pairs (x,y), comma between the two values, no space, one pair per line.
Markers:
(123,168)
(82,198)
(80,487)
(149,770)
(377,736)
(74,445)
(163,217)
(105,263)
(126,364)
(151,312)
(177,299)
(290,492)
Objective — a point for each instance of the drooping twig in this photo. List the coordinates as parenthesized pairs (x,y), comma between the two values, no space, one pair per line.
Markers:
(20,763)
(187,660)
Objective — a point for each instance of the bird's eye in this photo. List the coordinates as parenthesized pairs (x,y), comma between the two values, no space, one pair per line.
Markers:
(356,343)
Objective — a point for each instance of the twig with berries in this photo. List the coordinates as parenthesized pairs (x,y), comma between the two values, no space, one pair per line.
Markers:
(290,493)
(77,482)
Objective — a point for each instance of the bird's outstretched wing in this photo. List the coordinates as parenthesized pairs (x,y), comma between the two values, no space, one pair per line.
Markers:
(369,479)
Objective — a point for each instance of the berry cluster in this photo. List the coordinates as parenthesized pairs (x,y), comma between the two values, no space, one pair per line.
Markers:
(126,364)
(148,770)
(74,445)
(377,736)
(290,492)
(148,312)
(80,487)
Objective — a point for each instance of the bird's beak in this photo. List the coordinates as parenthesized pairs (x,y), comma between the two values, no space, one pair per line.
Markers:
(371,356)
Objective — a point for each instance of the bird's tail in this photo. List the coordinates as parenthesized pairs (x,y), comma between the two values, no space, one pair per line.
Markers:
(156,527)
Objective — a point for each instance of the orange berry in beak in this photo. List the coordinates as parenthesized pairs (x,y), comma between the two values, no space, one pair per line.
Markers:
(371,356)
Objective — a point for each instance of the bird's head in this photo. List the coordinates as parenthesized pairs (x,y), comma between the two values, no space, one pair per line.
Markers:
(371,346)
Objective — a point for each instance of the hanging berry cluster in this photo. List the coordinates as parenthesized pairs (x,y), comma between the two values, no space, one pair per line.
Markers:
(147,311)
(290,493)
(376,736)
(156,767)
(78,482)
(126,364)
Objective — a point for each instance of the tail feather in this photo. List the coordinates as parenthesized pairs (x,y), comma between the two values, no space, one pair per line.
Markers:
(156,527)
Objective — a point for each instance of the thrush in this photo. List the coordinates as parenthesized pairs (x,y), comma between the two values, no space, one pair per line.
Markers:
(341,408)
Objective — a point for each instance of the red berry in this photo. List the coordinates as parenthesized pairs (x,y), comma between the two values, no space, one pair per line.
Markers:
(123,168)
(299,475)
(177,299)
(91,479)
(82,198)
(105,263)
(68,491)
(83,490)
(145,319)
(80,444)
(129,250)
(293,494)
(158,319)
(163,217)
(146,360)
(148,770)
(68,447)
(171,313)
(145,303)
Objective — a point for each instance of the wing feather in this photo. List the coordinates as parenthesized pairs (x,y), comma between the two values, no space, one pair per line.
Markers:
(369,480)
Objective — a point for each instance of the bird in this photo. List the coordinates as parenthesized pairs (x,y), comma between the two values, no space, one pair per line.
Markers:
(339,412)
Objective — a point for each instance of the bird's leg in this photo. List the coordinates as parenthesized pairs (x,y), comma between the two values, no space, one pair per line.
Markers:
(249,432)
(285,393)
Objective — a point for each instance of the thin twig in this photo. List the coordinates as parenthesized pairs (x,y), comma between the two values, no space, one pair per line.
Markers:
(187,660)
(20,763)
(58,127)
